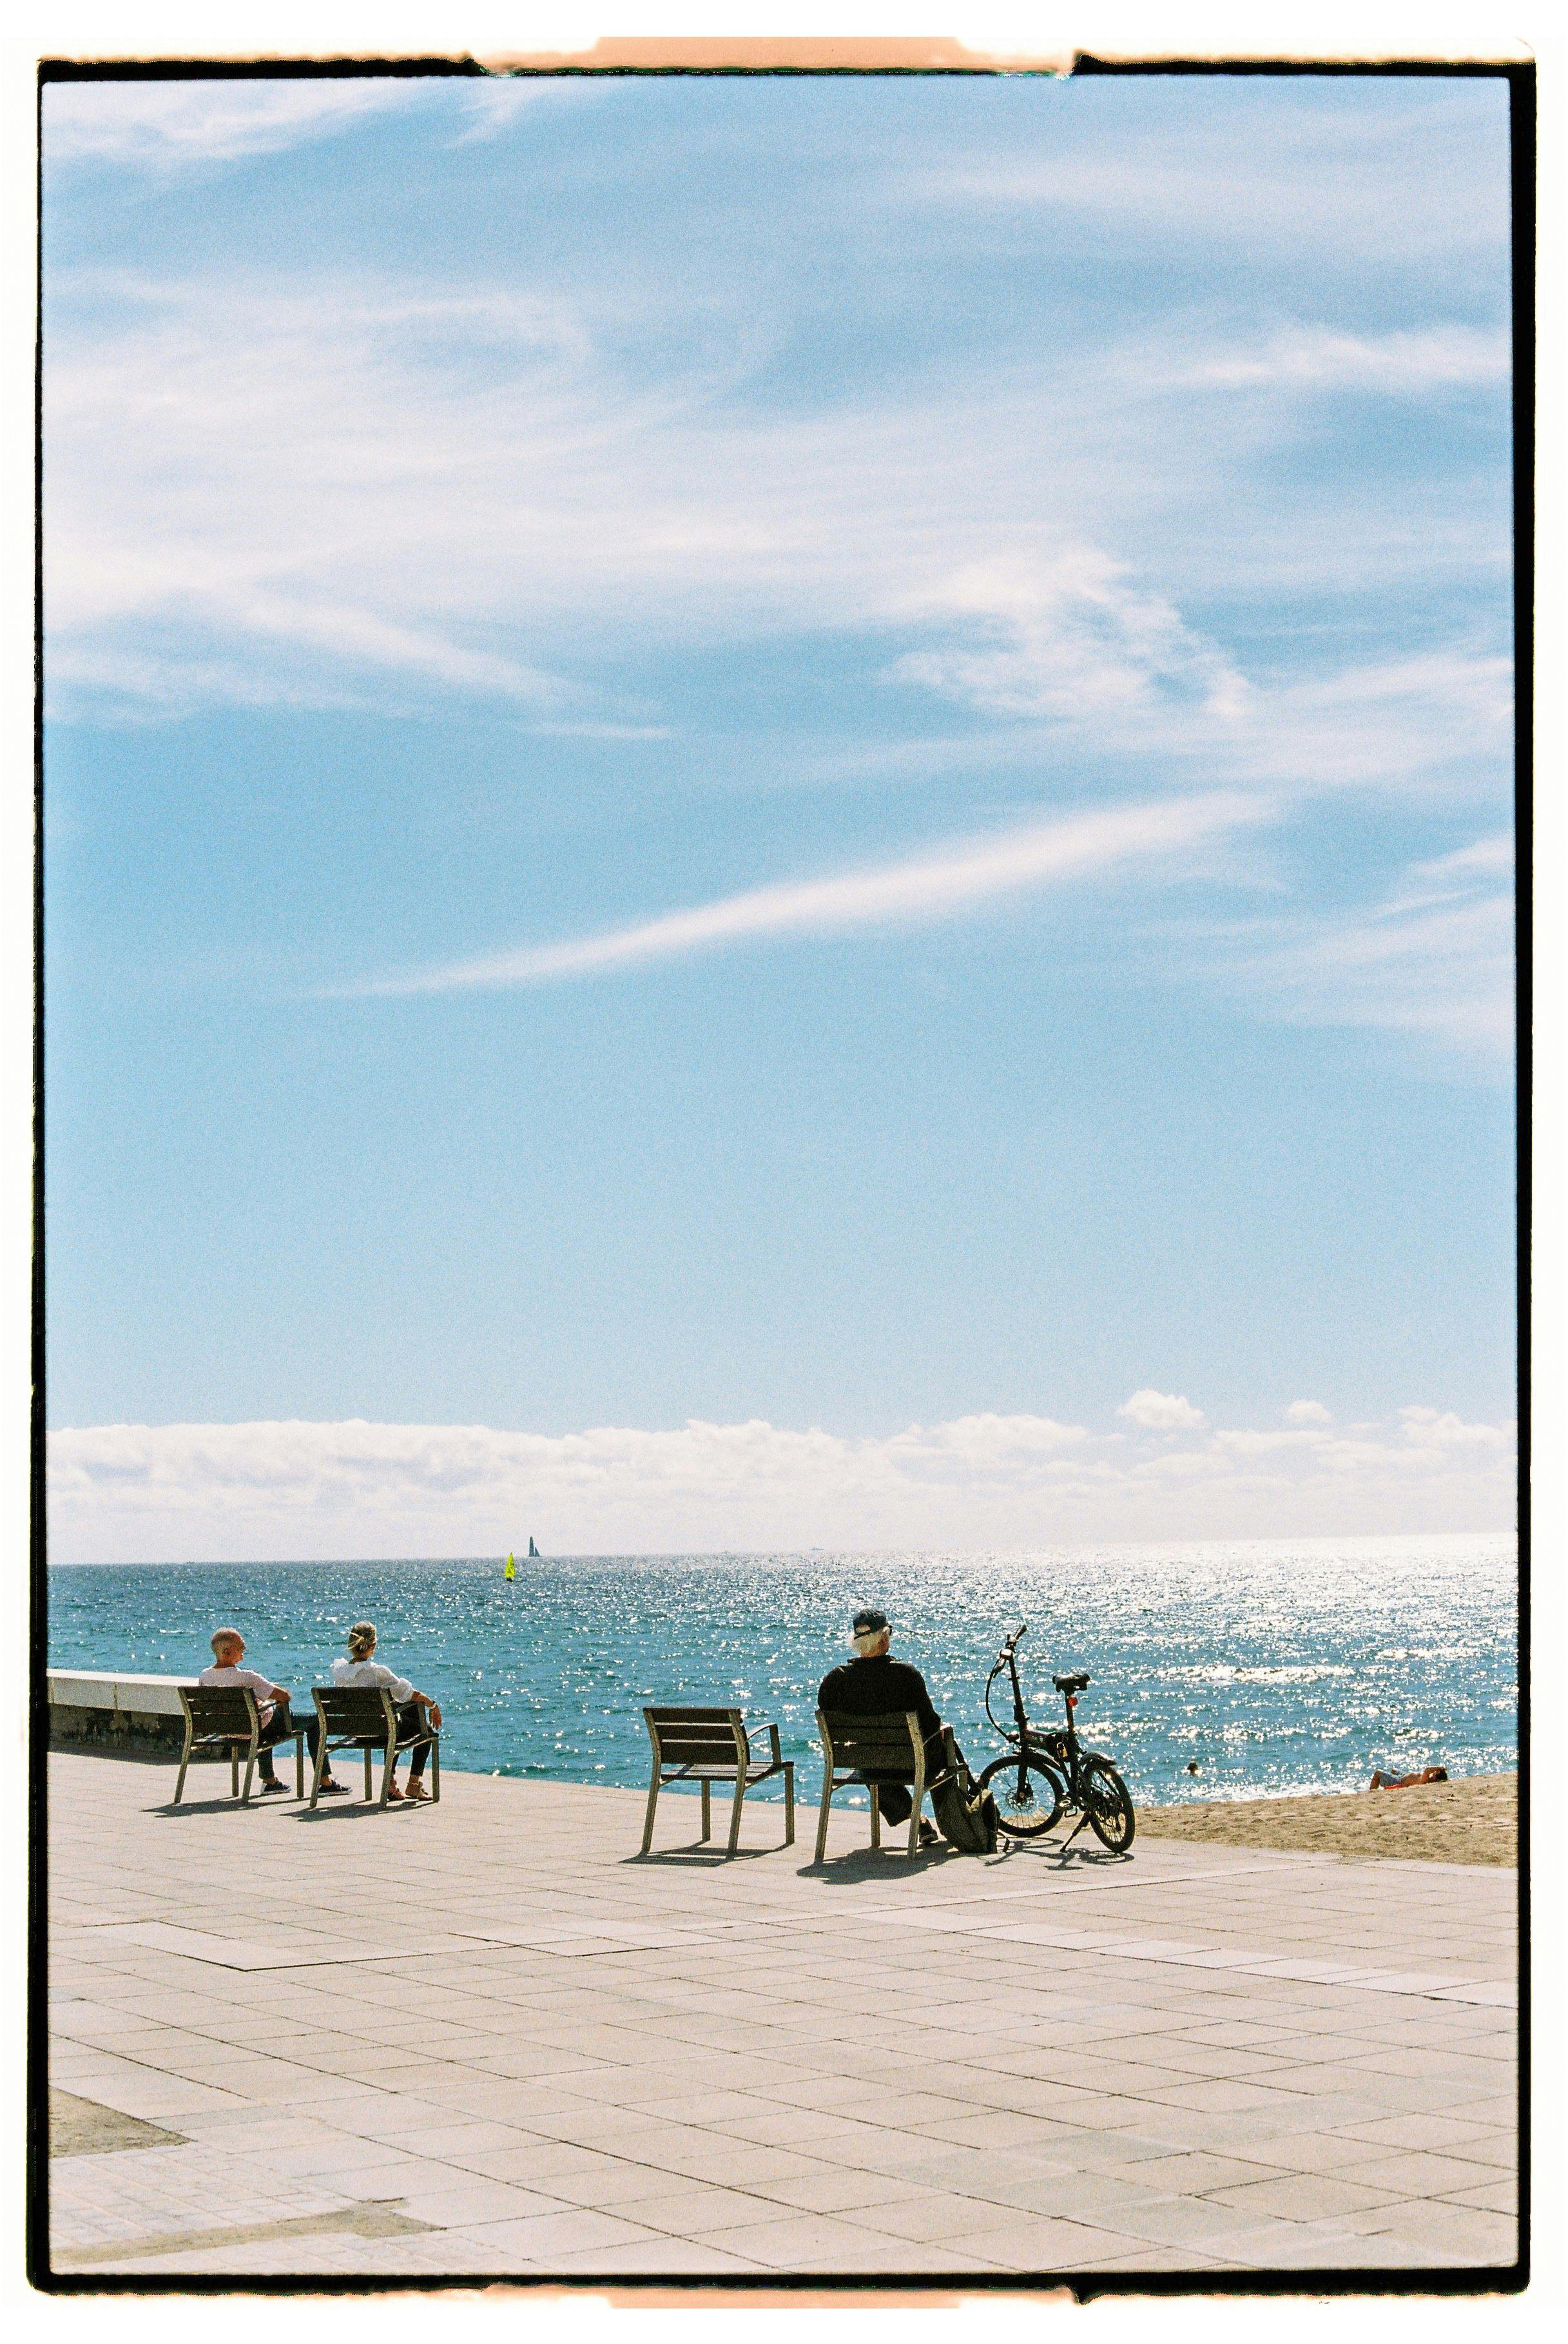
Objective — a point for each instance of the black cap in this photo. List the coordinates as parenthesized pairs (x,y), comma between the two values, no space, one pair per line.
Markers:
(870,1622)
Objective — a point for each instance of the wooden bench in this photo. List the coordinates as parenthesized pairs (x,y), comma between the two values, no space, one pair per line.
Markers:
(226,1717)
(709,1746)
(365,1717)
(853,1747)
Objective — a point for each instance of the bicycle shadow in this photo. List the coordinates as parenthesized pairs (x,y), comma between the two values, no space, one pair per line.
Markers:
(1060,1858)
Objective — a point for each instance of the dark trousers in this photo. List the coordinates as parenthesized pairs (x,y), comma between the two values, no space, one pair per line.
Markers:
(412,1720)
(280,1727)
(895,1792)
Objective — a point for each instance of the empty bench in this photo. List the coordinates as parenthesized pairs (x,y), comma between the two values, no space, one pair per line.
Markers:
(708,1746)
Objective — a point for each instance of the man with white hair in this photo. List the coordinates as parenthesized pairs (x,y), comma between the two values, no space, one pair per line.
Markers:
(271,1708)
(873,1685)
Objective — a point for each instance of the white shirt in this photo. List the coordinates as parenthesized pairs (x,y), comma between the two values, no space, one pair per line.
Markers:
(261,1686)
(372,1673)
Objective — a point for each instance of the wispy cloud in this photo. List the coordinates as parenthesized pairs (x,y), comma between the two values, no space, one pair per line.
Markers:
(510,470)
(1321,358)
(1073,636)
(163,123)
(1433,957)
(958,876)
(1378,180)
(128,1492)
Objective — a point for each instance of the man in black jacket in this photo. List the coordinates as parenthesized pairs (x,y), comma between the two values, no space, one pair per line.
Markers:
(872,1685)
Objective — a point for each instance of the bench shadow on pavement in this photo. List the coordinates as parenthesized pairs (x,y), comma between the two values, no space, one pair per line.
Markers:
(882,1864)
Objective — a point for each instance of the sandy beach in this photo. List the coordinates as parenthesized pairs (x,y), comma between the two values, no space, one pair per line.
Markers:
(1473,1821)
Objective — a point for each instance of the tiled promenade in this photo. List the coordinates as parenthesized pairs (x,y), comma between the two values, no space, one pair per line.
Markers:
(486,2038)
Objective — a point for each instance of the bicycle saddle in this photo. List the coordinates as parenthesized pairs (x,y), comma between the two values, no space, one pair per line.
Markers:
(1069,1684)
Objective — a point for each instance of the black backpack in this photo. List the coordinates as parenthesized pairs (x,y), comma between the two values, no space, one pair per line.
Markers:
(966,1815)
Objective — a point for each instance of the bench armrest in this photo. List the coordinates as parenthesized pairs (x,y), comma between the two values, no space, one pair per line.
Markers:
(771,1731)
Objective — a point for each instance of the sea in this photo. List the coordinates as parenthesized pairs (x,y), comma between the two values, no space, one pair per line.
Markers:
(1274,1667)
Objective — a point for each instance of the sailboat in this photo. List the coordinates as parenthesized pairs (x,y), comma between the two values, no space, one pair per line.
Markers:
(510,1570)
(533,1554)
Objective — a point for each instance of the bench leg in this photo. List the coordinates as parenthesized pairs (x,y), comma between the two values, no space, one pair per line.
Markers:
(914,1848)
(436,1770)
(735,1812)
(707,1812)
(648,1818)
(389,1768)
(876,1817)
(789,1804)
(369,1788)
(249,1769)
(821,1818)
(184,1762)
(321,1768)
(233,1769)
(299,1764)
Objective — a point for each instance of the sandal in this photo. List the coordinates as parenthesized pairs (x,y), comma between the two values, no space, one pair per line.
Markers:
(418,1791)
(395,1796)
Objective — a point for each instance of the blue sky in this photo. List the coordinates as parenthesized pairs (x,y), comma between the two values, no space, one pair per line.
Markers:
(830,756)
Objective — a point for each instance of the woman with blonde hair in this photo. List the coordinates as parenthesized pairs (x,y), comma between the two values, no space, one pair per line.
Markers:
(362,1668)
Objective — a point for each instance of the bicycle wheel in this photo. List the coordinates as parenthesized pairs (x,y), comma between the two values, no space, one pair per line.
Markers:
(1107,1803)
(1027,1792)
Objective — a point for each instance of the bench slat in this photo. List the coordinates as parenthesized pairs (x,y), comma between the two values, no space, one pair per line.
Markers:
(871,1742)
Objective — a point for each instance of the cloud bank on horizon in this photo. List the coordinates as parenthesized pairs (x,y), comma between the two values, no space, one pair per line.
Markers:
(298,1492)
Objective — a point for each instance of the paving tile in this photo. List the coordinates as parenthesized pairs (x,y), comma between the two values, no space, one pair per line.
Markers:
(835,2190)
(1465,2140)
(1461,2235)
(792,2240)
(1190,2173)
(1303,2196)
(1498,2197)
(691,2212)
(1423,2172)
(673,2257)
(911,2259)
(1115,2100)
(465,2198)
(1038,2242)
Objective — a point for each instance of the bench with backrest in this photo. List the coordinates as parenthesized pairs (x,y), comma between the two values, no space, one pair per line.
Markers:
(853,1747)
(225,1717)
(365,1717)
(714,1745)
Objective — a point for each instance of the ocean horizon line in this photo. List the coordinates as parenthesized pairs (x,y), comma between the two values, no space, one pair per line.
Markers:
(1066,1549)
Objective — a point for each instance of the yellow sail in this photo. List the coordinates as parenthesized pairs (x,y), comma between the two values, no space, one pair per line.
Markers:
(510,1568)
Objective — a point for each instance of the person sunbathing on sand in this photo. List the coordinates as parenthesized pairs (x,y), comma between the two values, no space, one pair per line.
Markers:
(361,1668)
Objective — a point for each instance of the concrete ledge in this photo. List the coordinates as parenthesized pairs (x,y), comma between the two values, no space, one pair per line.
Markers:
(104,1707)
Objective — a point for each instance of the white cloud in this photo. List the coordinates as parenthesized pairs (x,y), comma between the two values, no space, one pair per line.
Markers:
(1070,636)
(1308,1411)
(1161,1412)
(1373,184)
(493,468)
(1321,358)
(278,1490)
(160,123)
(159,126)
(961,875)
(1434,958)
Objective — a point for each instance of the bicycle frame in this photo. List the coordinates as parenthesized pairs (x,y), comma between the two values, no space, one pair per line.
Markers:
(1080,1779)
(1060,1746)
